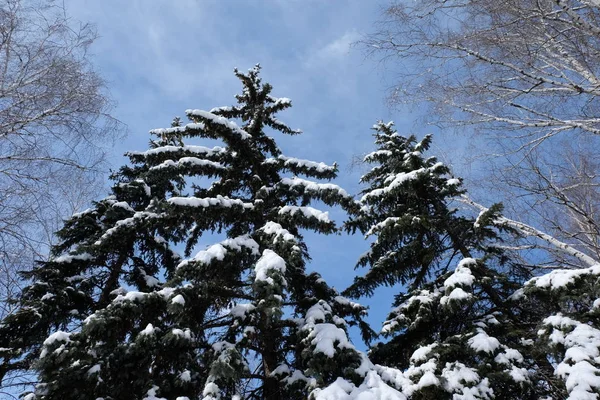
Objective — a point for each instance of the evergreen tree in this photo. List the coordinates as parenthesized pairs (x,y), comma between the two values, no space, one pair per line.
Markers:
(117,313)
(452,331)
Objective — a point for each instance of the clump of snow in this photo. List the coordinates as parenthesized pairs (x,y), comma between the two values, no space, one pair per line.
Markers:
(47,296)
(388,222)
(127,222)
(346,302)
(186,162)
(313,187)
(398,180)
(372,388)
(58,336)
(200,150)
(217,119)
(465,383)
(177,129)
(273,228)
(218,201)
(186,334)
(462,274)
(178,300)
(68,258)
(580,366)
(151,394)
(94,370)
(219,250)
(560,278)
(457,294)
(482,342)
(422,353)
(292,162)
(185,376)
(308,212)
(240,310)
(148,330)
(268,263)
(327,337)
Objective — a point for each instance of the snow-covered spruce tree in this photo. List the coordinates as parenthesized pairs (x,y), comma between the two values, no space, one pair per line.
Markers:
(118,314)
(452,331)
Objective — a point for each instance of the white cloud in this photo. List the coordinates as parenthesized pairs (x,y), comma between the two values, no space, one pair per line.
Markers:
(333,51)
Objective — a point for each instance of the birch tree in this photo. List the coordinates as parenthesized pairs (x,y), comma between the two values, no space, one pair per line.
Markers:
(54,122)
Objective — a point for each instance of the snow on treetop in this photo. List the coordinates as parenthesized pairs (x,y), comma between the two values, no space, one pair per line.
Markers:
(380,125)
(268,263)
(177,129)
(217,119)
(560,278)
(377,154)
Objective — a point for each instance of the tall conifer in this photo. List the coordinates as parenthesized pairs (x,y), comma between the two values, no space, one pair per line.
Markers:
(118,313)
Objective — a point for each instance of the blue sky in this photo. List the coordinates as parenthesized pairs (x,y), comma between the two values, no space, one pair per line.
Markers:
(162,57)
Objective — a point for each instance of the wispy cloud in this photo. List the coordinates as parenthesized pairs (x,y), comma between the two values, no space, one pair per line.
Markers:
(334,51)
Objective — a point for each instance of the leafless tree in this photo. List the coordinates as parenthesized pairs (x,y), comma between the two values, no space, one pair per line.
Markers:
(524,74)
(54,129)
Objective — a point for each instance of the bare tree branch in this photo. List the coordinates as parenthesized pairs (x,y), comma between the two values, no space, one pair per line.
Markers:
(55,127)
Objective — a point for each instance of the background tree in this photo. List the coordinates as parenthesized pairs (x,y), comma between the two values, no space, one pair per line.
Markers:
(452,324)
(54,127)
(524,74)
